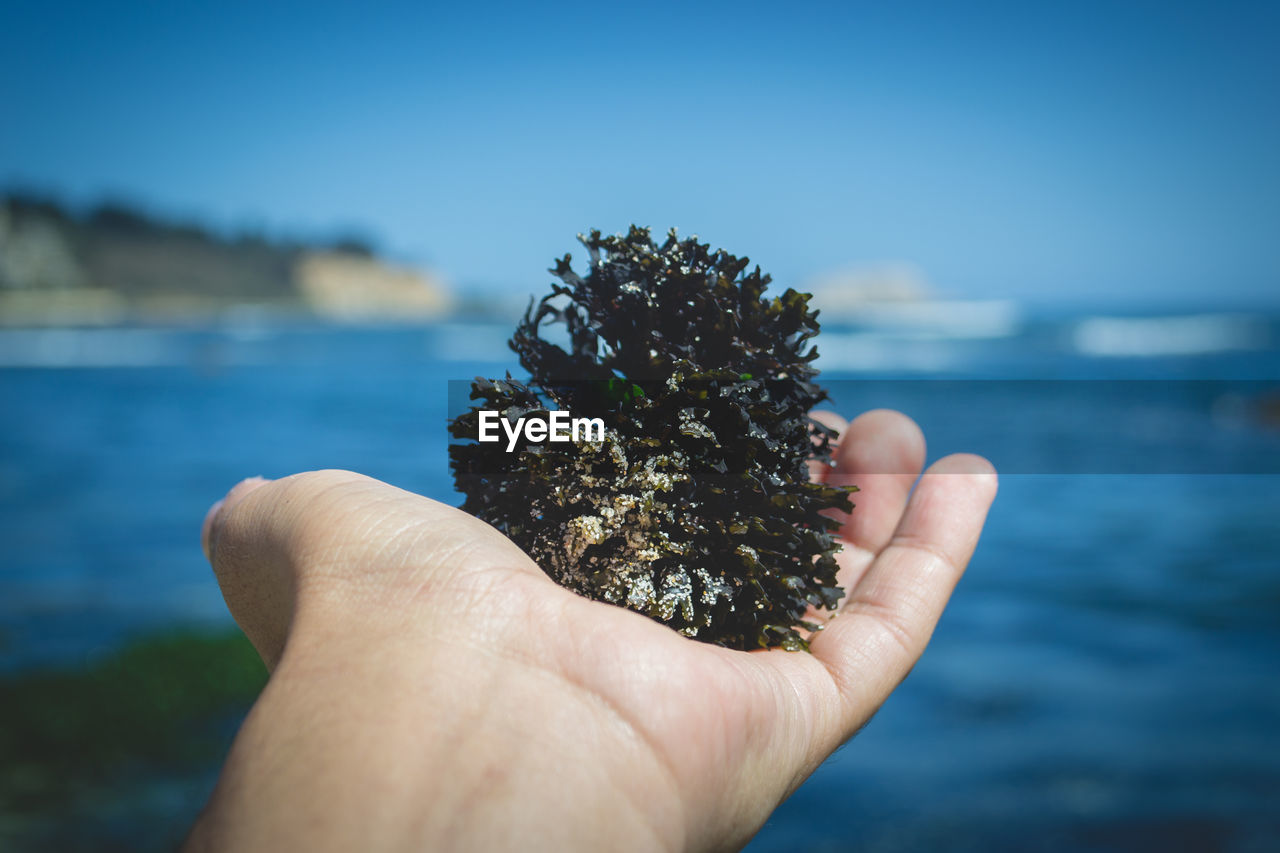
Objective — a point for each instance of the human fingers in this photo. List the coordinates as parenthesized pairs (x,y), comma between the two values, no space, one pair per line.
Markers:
(881,452)
(890,614)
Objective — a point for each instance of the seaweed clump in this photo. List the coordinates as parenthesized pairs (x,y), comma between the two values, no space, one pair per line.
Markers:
(694,506)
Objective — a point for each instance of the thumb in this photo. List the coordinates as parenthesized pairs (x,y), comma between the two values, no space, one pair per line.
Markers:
(253,537)
(212,518)
(270,541)
(339,543)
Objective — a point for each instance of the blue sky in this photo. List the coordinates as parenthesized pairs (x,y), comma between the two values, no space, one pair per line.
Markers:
(1086,151)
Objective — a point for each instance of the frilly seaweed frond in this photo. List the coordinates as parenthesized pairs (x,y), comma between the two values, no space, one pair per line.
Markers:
(695,508)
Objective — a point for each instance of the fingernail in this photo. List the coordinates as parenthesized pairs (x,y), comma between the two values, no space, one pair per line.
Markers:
(207,528)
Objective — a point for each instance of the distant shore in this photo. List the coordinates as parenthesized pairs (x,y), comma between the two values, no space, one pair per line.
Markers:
(116,264)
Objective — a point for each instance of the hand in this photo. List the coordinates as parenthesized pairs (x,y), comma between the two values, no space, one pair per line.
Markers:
(432,688)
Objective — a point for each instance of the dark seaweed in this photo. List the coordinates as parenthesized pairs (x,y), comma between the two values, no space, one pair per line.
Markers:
(696,508)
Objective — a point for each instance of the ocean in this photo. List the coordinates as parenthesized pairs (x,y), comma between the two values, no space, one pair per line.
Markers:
(1106,676)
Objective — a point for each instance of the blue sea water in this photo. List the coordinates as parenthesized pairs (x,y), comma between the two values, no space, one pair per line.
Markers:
(1106,676)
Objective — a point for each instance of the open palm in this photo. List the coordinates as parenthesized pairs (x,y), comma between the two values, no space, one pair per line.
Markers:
(356,593)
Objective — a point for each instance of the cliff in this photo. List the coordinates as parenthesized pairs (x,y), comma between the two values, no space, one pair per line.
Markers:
(116,263)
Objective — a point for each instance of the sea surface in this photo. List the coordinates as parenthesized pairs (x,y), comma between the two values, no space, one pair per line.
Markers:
(1106,677)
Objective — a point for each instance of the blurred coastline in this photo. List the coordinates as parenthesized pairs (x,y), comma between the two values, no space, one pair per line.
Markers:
(117,264)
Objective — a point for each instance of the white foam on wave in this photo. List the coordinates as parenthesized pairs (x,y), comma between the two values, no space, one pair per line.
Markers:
(90,348)
(938,320)
(1196,334)
(875,351)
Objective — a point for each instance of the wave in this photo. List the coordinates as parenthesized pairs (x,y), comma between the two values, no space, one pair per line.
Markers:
(936,320)
(874,351)
(1196,334)
(91,348)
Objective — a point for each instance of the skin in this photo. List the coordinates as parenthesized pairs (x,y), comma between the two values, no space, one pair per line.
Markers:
(431,688)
